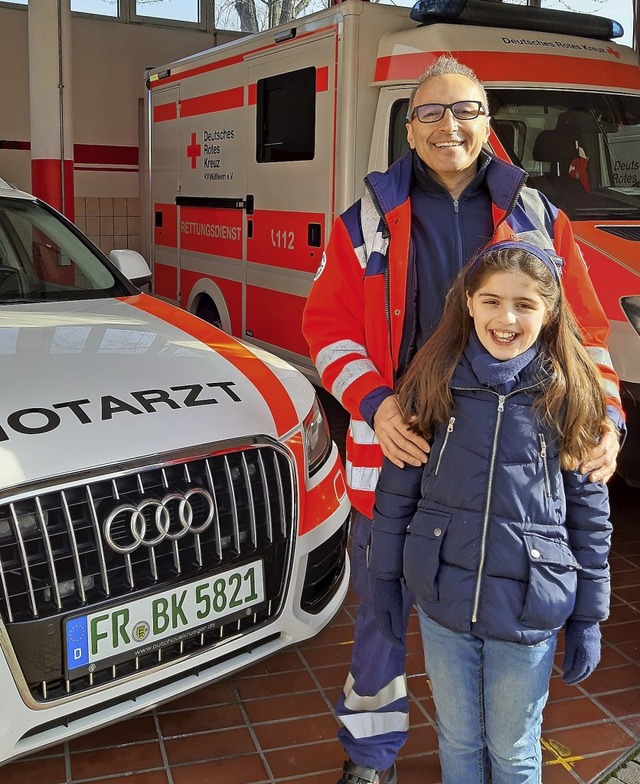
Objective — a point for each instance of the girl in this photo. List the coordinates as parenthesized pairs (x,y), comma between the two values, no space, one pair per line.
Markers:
(500,538)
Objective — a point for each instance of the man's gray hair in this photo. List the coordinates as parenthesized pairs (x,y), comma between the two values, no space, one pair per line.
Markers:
(444,66)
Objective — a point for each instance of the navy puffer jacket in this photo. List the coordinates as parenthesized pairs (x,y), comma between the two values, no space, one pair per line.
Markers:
(491,535)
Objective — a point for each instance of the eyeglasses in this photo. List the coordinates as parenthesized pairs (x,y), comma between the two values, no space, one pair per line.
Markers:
(434,112)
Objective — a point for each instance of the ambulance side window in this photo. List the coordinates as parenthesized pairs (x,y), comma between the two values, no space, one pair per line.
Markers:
(398,143)
(286,117)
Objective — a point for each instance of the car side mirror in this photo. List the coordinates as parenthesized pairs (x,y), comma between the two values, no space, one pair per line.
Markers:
(132,265)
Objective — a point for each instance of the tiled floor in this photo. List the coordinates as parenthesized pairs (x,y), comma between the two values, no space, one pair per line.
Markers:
(275,722)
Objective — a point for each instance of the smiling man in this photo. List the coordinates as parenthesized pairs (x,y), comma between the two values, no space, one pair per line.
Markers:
(377,297)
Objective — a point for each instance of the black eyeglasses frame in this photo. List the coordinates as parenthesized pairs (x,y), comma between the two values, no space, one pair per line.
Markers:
(444,106)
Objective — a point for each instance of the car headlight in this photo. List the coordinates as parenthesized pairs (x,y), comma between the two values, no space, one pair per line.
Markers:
(631,308)
(317,438)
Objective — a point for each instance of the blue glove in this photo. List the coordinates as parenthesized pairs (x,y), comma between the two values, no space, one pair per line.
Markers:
(386,596)
(582,650)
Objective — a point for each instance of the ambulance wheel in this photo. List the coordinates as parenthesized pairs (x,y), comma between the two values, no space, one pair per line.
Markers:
(207,311)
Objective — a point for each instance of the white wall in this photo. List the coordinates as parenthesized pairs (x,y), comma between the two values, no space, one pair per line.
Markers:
(108,88)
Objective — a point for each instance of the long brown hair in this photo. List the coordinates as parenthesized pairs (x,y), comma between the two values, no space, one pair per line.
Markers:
(573,401)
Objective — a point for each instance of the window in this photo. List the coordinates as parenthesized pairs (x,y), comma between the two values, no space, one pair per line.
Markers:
(178,12)
(398,143)
(582,150)
(286,117)
(98,7)
(175,10)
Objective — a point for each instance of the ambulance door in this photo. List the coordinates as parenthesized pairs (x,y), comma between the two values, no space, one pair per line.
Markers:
(165,186)
(290,183)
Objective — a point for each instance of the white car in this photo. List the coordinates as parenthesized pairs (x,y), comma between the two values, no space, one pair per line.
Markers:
(172,508)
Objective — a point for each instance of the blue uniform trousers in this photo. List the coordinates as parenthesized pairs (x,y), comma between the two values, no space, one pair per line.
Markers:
(373,706)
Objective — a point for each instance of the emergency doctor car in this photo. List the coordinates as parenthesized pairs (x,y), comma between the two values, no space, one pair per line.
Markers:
(172,508)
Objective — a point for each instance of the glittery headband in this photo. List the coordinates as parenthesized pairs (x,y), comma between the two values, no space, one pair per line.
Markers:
(551,260)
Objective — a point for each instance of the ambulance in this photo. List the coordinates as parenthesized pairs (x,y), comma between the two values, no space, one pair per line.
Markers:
(172,508)
(256,145)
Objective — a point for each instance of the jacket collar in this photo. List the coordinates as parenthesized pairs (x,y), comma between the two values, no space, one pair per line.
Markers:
(537,371)
(391,188)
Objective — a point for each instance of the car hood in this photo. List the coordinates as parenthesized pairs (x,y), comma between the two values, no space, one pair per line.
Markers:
(101,382)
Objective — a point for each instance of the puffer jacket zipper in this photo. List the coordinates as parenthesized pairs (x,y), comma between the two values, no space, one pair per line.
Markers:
(487,505)
(545,465)
(487,509)
(444,443)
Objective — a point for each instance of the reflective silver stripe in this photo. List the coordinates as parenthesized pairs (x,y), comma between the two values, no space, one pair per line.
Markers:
(361,255)
(611,388)
(390,693)
(374,240)
(536,213)
(359,478)
(368,725)
(350,373)
(335,351)
(600,356)
(361,433)
(369,220)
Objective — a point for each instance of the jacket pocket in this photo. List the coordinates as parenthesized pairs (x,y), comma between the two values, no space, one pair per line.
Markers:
(553,576)
(422,551)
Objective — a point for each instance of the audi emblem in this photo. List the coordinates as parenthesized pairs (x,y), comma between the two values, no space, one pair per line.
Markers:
(127,527)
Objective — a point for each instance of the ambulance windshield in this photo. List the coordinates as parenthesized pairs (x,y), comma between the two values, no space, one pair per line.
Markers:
(582,150)
(44,258)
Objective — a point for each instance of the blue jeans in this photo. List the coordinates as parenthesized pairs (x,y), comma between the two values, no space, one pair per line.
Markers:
(489,696)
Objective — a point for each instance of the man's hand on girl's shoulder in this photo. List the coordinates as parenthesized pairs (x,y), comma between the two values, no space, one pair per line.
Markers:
(601,463)
(398,442)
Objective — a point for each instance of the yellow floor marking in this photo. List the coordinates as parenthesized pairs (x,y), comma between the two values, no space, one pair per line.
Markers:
(562,754)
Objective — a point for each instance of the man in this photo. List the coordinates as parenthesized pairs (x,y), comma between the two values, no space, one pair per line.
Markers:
(377,297)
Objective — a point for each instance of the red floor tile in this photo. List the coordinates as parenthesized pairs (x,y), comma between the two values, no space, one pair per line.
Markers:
(590,739)
(328,654)
(154,777)
(421,740)
(281,734)
(211,745)
(566,713)
(275,685)
(186,722)
(623,703)
(606,679)
(240,770)
(305,759)
(137,729)
(295,705)
(591,767)
(104,762)
(35,769)
(419,770)
(213,694)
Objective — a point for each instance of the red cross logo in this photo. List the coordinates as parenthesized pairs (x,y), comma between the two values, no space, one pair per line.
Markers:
(194,151)
(613,52)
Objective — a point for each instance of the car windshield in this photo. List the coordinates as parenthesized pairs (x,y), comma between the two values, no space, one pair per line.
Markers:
(582,150)
(43,258)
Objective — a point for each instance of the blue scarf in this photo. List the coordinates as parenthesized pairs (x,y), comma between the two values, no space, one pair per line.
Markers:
(499,374)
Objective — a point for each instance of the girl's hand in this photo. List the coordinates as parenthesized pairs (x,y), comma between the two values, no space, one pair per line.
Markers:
(398,442)
(601,463)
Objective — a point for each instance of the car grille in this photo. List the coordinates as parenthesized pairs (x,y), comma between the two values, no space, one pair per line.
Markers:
(74,548)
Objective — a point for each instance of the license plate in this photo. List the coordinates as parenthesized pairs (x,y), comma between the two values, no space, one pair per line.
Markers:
(107,636)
